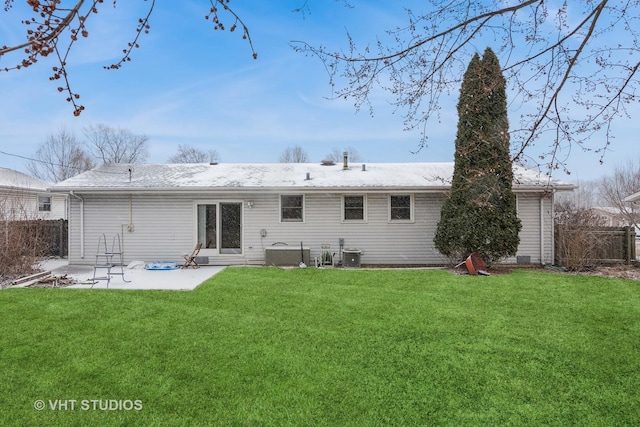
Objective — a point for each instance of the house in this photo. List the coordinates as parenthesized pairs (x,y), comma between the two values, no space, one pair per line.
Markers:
(239,212)
(23,197)
(609,216)
(634,198)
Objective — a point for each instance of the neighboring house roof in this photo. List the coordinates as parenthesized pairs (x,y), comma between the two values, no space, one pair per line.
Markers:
(283,177)
(611,210)
(611,215)
(635,197)
(13,180)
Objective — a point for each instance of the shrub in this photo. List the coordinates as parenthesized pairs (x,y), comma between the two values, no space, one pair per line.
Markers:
(576,245)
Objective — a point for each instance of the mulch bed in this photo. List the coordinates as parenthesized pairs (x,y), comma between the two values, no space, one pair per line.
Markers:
(621,271)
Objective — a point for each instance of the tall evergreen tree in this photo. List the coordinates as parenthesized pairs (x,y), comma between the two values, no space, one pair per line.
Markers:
(480,213)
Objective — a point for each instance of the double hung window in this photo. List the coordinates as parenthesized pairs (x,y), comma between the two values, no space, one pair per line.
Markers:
(401,207)
(292,208)
(44,203)
(354,208)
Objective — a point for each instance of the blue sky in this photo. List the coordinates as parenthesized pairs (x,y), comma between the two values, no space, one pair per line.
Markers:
(189,84)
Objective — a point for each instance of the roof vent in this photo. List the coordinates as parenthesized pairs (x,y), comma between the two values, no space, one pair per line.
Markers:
(328,162)
(213,163)
(345,160)
(364,167)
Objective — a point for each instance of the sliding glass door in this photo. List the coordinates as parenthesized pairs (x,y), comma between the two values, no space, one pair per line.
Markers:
(219,226)
(230,228)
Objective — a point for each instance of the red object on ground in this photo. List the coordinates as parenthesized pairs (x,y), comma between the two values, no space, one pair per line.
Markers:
(470,268)
(475,265)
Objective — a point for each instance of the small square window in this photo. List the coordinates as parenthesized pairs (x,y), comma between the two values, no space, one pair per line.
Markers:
(400,208)
(353,208)
(292,208)
(44,203)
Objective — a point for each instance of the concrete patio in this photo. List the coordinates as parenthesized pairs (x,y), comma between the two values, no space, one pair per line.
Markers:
(134,278)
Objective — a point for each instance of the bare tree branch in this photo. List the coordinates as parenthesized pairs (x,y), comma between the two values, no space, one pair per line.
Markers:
(337,154)
(189,154)
(295,154)
(60,157)
(624,182)
(143,26)
(46,33)
(51,20)
(552,103)
(566,74)
(111,145)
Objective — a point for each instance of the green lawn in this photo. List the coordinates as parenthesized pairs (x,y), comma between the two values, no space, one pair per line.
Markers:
(264,346)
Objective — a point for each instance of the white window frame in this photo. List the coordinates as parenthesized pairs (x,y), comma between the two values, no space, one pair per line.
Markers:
(216,251)
(42,204)
(411,209)
(364,209)
(291,221)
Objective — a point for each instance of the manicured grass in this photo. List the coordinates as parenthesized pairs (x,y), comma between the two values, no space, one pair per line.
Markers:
(264,346)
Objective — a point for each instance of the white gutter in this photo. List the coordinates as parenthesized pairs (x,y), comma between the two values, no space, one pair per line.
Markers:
(284,188)
(71,193)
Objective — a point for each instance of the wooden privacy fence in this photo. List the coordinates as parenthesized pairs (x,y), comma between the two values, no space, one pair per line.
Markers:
(36,237)
(586,246)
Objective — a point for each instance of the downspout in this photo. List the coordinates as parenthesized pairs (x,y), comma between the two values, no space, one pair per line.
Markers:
(130,224)
(553,226)
(72,194)
(542,229)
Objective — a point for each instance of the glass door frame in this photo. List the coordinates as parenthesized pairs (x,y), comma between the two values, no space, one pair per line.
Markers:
(217,250)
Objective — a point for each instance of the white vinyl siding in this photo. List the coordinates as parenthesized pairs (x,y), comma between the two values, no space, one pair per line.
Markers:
(380,243)
(164,227)
(59,204)
(25,205)
(536,234)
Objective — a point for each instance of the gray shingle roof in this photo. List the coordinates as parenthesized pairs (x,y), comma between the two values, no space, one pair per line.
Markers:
(13,179)
(281,176)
